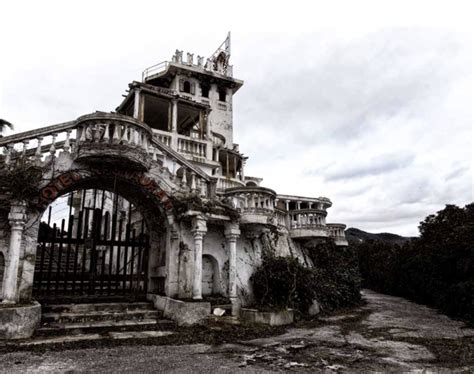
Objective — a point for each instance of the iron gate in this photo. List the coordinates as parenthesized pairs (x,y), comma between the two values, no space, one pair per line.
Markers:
(96,253)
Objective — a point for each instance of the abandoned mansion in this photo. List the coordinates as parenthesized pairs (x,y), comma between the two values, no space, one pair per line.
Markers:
(150,201)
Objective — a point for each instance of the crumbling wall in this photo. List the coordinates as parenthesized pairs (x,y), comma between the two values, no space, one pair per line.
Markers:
(2,271)
(4,242)
(214,245)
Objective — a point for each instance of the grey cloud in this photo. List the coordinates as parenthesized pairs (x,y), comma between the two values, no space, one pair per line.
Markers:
(375,166)
(338,96)
(456,173)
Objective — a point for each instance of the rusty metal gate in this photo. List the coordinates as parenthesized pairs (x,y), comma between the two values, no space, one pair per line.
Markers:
(92,253)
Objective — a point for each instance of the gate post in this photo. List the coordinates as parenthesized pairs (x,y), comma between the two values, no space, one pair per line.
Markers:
(199,230)
(17,219)
(231,234)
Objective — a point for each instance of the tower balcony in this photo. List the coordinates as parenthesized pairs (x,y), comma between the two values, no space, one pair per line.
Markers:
(336,232)
(255,204)
(308,223)
(112,139)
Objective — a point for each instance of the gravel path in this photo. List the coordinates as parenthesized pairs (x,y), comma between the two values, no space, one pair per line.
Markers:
(388,333)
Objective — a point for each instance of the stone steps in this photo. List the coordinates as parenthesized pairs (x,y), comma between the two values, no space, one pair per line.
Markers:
(102,319)
(88,307)
(99,316)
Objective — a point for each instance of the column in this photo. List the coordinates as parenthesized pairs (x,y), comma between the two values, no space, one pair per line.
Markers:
(288,218)
(17,220)
(172,258)
(227,171)
(298,216)
(231,234)
(199,230)
(174,125)
(136,105)
(210,144)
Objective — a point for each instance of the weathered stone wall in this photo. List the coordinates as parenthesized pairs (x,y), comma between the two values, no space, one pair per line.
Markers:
(4,238)
(250,249)
(215,246)
(28,255)
(2,271)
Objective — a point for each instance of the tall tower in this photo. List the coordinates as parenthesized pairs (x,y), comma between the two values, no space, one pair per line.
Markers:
(188,103)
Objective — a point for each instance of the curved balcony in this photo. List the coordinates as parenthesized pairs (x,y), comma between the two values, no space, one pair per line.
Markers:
(308,223)
(336,231)
(113,138)
(255,204)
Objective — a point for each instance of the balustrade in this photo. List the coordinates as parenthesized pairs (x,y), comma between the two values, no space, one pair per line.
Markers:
(163,137)
(36,145)
(224,183)
(281,218)
(252,199)
(307,219)
(192,147)
(336,230)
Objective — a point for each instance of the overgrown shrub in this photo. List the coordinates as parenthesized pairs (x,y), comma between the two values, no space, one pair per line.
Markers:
(436,269)
(282,282)
(334,281)
(337,278)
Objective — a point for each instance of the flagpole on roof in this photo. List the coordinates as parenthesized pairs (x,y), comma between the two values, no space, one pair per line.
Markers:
(227,47)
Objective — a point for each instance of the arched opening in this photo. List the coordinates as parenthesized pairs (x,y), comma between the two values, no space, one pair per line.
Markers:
(210,276)
(251,184)
(95,243)
(2,271)
(187,87)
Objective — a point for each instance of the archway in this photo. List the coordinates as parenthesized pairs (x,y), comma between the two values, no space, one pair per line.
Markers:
(96,238)
(210,276)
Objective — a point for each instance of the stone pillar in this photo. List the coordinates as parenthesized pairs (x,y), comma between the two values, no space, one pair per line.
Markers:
(17,220)
(172,259)
(174,125)
(136,105)
(199,229)
(231,233)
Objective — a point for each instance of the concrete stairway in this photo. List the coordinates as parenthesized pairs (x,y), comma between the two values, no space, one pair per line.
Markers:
(100,318)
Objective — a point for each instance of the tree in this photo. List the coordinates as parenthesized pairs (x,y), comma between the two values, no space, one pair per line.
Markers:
(4,124)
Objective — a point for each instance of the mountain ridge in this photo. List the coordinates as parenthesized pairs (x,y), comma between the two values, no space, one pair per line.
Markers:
(355,235)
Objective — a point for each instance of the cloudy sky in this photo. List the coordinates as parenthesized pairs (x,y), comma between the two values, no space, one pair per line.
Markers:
(369,105)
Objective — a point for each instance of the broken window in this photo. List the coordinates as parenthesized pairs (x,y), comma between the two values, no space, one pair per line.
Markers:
(156,112)
(189,121)
(222,95)
(205,91)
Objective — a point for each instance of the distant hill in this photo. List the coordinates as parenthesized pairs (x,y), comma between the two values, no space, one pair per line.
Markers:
(354,235)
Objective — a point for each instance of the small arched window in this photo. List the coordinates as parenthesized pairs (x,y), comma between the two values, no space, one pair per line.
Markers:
(187,87)
(222,95)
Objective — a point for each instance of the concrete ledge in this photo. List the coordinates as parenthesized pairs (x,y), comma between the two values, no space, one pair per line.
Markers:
(184,313)
(19,322)
(283,317)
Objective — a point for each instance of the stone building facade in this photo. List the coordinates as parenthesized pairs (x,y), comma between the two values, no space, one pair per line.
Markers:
(169,150)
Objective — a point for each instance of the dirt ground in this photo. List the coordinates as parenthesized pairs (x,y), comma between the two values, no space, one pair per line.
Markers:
(386,334)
